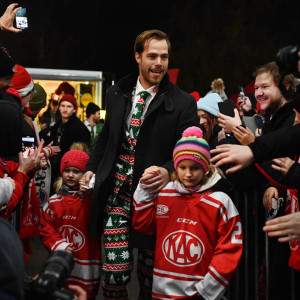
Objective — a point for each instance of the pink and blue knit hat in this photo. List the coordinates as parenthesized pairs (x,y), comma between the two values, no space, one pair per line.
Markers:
(192,146)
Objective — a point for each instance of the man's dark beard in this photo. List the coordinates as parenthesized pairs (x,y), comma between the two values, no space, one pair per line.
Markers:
(274,107)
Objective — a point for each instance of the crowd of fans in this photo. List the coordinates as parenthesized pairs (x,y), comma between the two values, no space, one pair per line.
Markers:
(80,181)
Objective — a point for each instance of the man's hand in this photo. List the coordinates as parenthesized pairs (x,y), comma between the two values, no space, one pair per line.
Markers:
(42,163)
(244,105)
(78,291)
(155,178)
(283,164)
(54,149)
(221,135)
(85,181)
(7,19)
(287,228)
(269,193)
(243,135)
(228,123)
(31,163)
(240,156)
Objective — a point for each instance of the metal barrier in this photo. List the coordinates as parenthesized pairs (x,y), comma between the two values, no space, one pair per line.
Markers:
(252,277)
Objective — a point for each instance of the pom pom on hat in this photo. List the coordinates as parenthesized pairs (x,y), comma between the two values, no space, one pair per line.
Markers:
(69,98)
(65,87)
(193,147)
(22,81)
(74,158)
(218,85)
(193,131)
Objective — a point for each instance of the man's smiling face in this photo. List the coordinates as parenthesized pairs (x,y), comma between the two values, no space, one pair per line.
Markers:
(153,62)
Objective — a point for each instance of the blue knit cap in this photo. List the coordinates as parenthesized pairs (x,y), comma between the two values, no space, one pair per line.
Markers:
(209,103)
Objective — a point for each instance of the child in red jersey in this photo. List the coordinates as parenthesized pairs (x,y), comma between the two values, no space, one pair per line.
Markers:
(64,224)
(198,229)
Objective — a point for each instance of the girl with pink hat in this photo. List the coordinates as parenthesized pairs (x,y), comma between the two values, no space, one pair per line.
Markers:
(198,229)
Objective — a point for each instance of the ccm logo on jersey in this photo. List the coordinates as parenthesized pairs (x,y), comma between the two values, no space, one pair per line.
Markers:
(187,221)
(162,209)
(72,235)
(182,248)
(69,217)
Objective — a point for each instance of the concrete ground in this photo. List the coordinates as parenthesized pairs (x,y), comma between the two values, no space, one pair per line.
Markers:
(40,255)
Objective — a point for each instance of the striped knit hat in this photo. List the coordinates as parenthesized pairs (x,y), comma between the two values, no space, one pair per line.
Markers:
(192,146)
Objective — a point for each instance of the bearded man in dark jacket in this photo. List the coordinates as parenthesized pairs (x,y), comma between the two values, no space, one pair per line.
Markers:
(132,140)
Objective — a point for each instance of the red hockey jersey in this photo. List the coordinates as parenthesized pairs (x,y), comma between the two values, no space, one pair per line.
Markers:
(198,241)
(64,220)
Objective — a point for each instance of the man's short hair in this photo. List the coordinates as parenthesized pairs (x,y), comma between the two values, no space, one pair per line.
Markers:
(91,108)
(271,68)
(146,36)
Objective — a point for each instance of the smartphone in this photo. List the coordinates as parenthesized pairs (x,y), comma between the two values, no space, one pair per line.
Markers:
(227,107)
(242,94)
(21,19)
(28,145)
(259,122)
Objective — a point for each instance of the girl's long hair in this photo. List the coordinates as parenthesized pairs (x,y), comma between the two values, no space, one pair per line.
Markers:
(58,184)
(212,121)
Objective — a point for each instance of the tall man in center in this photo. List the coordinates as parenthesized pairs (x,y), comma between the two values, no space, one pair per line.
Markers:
(146,115)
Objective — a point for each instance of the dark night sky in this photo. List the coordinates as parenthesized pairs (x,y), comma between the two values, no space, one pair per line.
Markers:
(210,38)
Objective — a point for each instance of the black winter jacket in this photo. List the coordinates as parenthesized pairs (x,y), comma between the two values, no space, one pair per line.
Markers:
(73,131)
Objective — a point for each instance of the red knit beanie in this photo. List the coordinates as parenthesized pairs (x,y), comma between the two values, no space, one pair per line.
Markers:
(22,81)
(69,98)
(74,158)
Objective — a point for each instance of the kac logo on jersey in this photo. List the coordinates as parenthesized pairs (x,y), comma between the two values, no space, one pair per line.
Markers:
(182,248)
(73,235)
(162,209)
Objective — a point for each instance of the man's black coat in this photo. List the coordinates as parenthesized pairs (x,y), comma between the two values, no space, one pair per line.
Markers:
(169,114)
(73,131)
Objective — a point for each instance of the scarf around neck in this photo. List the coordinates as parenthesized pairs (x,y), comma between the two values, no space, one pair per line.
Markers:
(65,190)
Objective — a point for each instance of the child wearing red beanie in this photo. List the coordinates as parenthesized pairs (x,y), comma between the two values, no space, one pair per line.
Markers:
(64,224)
(198,229)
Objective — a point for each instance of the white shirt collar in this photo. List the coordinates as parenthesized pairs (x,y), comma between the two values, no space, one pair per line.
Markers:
(139,88)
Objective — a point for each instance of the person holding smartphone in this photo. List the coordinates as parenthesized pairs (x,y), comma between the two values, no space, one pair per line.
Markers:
(7,19)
